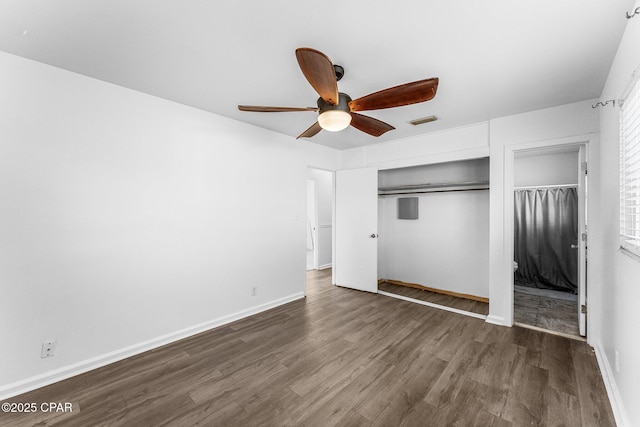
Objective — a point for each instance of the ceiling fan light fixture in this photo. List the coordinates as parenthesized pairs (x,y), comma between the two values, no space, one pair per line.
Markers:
(335,117)
(334,120)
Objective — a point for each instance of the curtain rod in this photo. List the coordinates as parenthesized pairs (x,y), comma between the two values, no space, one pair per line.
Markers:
(536,187)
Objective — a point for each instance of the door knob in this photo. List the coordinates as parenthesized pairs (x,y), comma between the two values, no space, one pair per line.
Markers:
(373,236)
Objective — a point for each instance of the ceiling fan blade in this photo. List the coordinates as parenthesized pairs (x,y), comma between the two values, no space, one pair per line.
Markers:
(369,125)
(313,130)
(319,71)
(267,109)
(406,94)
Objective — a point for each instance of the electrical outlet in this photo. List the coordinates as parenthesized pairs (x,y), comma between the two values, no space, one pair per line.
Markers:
(254,291)
(617,361)
(48,348)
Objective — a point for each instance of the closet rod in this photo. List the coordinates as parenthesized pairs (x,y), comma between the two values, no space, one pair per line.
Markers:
(431,191)
(540,187)
(427,187)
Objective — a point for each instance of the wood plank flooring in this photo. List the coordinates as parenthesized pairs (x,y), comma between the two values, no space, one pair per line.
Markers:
(341,357)
(546,312)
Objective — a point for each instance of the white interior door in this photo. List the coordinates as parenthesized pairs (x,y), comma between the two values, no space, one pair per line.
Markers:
(356,229)
(582,241)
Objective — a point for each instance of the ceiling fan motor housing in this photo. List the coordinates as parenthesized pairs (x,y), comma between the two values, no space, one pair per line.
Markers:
(343,104)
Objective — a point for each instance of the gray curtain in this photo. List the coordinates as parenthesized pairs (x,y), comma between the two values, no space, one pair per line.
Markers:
(546,225)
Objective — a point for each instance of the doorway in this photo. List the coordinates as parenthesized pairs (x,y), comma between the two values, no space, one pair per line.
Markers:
(319,224)
(550,239)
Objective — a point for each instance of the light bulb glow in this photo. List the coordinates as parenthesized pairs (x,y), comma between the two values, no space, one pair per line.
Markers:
(334,120)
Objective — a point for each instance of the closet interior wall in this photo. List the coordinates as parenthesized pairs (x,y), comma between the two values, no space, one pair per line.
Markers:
(447,247)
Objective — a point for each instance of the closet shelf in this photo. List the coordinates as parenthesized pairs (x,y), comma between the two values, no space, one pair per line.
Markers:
(433,188)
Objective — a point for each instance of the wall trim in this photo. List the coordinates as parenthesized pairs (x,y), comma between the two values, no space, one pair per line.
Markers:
(37,381)
(435,290)
(549,331)
(617,406)
(433,305)
(325,266)
(497,320)
(427,159)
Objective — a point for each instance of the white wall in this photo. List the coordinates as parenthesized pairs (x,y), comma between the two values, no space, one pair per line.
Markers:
(127,221)
(546,169)
(446,248)
(467,142)
(619,274)
(471,170)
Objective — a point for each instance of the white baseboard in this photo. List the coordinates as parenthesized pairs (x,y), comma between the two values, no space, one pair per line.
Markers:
(50,377)
(497,320)
(433,305)
(325,266)
(612,388)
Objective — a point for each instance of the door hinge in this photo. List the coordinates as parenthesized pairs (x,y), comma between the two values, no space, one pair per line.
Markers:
(584,237)
(584,167)
(583,309)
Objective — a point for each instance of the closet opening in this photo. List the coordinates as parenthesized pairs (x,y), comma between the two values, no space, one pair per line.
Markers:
(433,240)
(549,266)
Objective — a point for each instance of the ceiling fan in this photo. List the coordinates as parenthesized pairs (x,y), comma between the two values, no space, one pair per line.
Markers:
(336,109)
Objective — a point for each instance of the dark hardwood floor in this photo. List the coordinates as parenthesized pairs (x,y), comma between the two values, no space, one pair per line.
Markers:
(547,312)
(341,357)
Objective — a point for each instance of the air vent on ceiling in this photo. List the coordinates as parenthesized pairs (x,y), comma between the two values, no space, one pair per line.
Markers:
(423,120)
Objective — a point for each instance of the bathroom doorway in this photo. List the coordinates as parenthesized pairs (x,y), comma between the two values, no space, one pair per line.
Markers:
(549,241)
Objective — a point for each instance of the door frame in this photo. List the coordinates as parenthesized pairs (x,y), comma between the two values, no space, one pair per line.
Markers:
(509,173)
(583,233)
(333,220)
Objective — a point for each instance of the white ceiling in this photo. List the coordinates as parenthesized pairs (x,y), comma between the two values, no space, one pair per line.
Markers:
(493,57)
